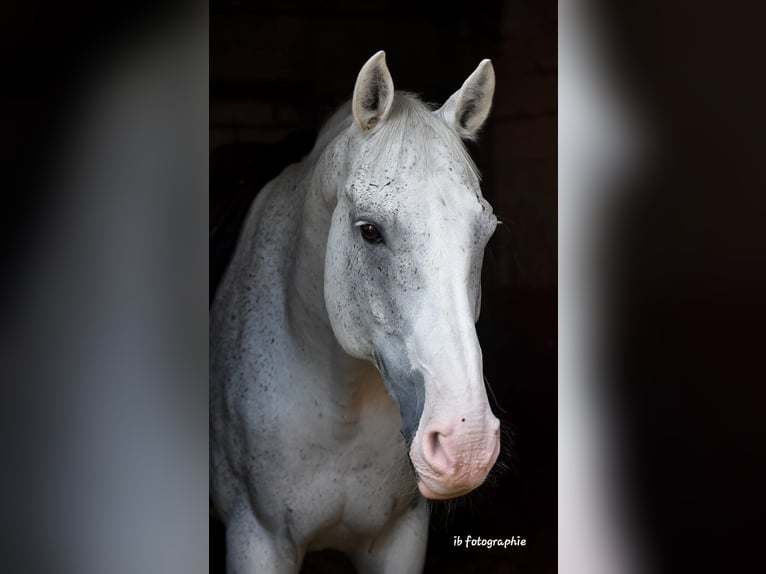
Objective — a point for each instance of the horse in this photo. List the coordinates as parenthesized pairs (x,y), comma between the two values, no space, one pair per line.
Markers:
(346,374)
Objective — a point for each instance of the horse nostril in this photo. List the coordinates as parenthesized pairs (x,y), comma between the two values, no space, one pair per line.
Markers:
(434,447)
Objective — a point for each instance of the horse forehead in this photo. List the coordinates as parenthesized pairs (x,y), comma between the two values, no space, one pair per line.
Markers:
(406,187)
(413,166)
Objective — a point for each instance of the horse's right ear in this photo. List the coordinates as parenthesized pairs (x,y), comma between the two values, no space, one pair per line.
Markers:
(373,93)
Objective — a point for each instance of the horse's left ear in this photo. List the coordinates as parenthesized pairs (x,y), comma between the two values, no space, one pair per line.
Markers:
(373,93)
(468,108)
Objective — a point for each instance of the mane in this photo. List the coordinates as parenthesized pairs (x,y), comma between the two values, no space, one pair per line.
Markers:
(411,128)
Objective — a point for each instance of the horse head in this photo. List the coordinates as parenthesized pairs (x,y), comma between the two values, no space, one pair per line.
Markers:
(403,266)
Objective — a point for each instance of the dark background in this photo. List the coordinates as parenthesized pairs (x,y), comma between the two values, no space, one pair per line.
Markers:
(279,68)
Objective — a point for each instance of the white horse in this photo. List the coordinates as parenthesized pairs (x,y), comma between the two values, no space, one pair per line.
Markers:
(346,383)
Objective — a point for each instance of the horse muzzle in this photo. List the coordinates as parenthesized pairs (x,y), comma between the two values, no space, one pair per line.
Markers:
(453,459)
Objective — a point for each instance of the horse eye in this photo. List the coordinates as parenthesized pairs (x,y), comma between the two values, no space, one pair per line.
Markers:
(370,233)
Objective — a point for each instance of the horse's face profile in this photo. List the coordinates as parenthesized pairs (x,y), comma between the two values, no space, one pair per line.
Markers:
(403,266)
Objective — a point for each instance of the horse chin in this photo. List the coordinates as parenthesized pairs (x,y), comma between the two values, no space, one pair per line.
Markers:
(437,494)
(435,489)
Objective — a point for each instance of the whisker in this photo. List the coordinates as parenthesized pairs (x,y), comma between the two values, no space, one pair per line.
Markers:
(493,398)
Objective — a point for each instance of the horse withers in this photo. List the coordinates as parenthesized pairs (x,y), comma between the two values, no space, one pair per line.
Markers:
(346,374)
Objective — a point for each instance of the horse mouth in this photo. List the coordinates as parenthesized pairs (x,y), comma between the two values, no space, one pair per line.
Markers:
(447,466)
(439,494)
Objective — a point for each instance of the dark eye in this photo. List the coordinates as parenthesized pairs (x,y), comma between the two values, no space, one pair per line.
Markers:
(370,233)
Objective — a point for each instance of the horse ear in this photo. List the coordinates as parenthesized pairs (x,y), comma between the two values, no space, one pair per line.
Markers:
(468,108)
(373,93)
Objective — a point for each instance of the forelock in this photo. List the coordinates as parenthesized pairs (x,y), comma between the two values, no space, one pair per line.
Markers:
(413,132)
